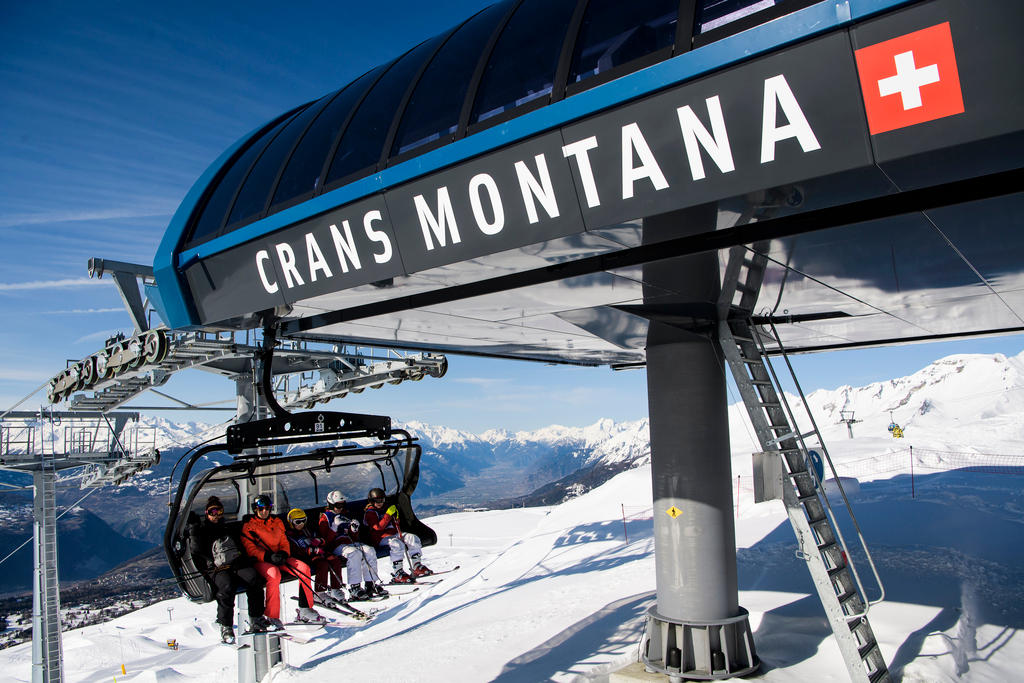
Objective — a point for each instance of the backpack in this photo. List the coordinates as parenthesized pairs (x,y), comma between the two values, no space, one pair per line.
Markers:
(225,551)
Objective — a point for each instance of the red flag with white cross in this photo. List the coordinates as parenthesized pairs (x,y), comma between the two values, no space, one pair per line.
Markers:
(910,79)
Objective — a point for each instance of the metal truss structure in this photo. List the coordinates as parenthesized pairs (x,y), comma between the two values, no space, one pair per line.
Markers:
(106,449)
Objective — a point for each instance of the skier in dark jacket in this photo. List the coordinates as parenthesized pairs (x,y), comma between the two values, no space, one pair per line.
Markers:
(309,547)
(382,527)
(218,555)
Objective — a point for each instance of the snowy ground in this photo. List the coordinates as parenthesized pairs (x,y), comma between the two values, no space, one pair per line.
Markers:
(558,594)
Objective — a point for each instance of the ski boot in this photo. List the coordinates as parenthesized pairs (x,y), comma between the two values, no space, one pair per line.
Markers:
(308,615)
(421,570)
(227,634)
(375,590)
(402,577)
(259,624)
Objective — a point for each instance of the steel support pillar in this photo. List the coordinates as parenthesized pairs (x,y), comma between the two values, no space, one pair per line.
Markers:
(258,653)
(697,630)
(47,657)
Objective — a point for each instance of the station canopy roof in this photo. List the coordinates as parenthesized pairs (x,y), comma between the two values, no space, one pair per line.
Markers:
(548,179)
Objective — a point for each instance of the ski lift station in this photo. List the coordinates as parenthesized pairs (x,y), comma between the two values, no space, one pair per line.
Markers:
(691,186)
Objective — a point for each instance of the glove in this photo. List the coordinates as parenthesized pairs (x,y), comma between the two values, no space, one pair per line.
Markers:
(353,526)
(277,557)
(315,552)
(392,511)
(316,542)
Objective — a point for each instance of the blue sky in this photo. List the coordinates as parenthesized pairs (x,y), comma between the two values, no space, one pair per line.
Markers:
(109,111)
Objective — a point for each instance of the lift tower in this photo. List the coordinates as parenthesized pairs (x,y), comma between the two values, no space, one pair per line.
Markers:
(46,443)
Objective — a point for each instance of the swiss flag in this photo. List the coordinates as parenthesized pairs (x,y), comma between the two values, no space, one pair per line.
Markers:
(910,79)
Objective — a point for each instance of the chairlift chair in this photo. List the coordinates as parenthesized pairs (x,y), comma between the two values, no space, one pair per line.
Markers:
(371,455)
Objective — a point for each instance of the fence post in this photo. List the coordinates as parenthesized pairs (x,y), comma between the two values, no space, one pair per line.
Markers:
(625,531)
(737,496)
(912,472)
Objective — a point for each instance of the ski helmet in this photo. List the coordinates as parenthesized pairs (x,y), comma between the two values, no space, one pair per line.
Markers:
(262,501)
(376,494)
(296,515)
(335,498)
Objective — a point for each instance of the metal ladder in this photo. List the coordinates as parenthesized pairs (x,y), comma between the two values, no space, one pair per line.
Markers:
(819,539)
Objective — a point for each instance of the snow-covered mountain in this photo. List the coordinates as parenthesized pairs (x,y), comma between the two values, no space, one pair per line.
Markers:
(561,593)
(966,403)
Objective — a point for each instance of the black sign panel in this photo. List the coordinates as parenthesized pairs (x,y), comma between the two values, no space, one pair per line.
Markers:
(941,74)
(343,248)
(514,197)
(228,284)
(786,117)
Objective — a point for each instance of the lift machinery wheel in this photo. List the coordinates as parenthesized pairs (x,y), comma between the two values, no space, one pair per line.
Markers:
(87,371)
(102,362)
(155,346)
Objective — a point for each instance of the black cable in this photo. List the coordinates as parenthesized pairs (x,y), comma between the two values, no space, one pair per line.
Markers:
(269,341)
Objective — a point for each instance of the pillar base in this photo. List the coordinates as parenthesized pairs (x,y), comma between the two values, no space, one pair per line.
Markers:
(699,650)
(258,654)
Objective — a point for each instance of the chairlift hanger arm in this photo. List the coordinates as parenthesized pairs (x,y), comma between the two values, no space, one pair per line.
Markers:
(305,428)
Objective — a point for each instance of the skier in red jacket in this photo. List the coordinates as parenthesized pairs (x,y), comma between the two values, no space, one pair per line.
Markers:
(265,540)
(382,525)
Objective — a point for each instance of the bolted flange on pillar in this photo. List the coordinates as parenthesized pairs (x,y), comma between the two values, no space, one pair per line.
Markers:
(697,630)
(698,650)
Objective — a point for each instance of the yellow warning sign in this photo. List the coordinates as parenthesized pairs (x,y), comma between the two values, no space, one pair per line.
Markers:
(673,512)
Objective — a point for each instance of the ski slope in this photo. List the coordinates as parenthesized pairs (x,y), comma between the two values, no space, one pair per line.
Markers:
(558,594)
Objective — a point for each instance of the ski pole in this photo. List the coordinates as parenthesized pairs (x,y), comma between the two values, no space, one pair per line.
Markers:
(287,567)
(405,547)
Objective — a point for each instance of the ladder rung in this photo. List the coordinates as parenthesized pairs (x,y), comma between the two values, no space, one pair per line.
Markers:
(846,597)
(880,675)
(836,571)
(865,649)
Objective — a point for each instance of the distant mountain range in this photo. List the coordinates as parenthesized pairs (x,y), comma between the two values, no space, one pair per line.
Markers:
(952,404)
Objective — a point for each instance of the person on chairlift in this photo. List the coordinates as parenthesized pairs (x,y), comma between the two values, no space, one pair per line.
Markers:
(342,535)
(309,547)
(217,553)
(383,527)
(264,538)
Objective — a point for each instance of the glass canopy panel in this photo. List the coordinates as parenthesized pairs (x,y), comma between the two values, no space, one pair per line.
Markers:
(434,108)
(522,67)
(615,33)
(301,177)
(362,142)
(714,13)
(212,217)
(252,198)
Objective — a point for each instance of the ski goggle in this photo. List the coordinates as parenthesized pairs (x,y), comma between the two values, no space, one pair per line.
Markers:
(215,512)
(375,501)
(260,505)
(299,521)
(338,505)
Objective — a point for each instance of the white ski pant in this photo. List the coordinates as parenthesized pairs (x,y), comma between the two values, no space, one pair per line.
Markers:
(396,547)
(360,562)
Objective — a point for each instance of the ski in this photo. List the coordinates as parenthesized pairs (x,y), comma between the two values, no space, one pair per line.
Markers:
(443,571)
(343,608)
(425,579)
(405,584)
(303,637)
